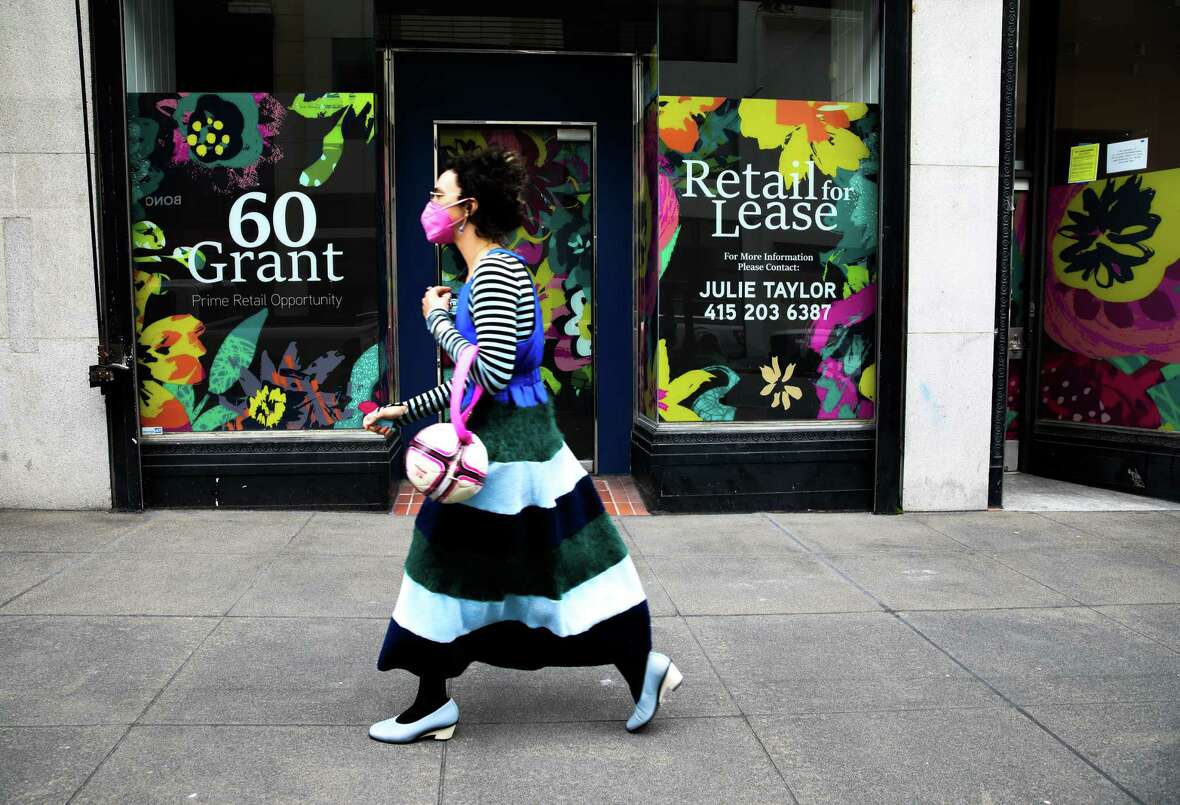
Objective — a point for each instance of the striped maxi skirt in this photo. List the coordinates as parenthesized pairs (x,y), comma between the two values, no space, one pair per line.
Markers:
(530,572)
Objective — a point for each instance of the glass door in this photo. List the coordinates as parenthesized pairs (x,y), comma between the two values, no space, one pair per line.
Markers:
(1106,368)
(557,241)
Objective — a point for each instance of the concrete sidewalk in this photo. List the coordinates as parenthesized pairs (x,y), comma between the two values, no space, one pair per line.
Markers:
(195,656)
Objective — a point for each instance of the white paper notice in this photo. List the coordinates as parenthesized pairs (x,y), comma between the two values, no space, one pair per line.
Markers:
(1130,155)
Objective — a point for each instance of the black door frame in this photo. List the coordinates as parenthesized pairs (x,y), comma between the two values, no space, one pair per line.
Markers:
(893,249)
(116,317)
(614,392)
(1130,460)
(1008,90)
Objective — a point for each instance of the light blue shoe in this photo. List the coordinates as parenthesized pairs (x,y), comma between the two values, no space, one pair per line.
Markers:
(661,676)
(439,725)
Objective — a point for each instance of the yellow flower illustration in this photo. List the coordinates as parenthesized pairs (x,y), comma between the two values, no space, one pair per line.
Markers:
(806,130)
(551,293)
(780,391)
(678,128)
(157,407)
(171,349)
(267,406)
(867,386)
(146,285)
(1110,240)
(671,393)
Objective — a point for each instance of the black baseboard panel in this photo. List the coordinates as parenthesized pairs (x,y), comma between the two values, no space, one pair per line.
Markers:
(745,471)
(277,474)
(1145,463)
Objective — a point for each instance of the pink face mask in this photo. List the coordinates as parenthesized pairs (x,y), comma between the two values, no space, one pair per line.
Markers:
(437,222)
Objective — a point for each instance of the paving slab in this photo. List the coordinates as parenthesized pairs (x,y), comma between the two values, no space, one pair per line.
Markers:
(325,586)
(1157,621)
(984,755)
(732,585)
(859,533)
(48,764)
(354,533)
(265,765)
(675,760)
(922,580)
(1157,532)
(823,663)
(1009,531)
(1136,744)
(488,694)
(286,671)
(143,584)
(658,601)
(1055,656)
(1099,576)
(722,534)
(621,526)
(65,670)
(64,531)
(25,570)
(182,531)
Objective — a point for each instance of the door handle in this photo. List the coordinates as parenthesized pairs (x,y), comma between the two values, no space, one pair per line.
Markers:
(112,358)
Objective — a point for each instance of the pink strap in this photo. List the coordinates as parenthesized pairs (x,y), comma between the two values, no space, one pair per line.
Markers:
(458,385)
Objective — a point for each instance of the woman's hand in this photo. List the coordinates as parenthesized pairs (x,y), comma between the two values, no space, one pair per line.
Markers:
(373,418)
(437,298)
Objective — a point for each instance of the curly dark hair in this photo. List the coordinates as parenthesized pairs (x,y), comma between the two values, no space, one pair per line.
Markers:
(495,177)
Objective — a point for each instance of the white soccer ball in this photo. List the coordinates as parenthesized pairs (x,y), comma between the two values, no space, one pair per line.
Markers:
(442,468)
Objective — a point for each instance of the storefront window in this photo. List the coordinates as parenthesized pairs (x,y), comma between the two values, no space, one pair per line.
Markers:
(1111,351)
(252,150)
(768,158)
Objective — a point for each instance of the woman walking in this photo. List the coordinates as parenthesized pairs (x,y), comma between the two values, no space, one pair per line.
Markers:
(530,572)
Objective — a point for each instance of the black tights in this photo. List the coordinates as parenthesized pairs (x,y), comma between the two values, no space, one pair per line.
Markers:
(432,690)
(432,694)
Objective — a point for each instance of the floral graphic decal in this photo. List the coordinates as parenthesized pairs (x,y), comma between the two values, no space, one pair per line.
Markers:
(831,357)
(204,358)
(778,385)
(1109,236)
(300,389)
(348,108)
(557,242)
(672,393)
(170,348)
(219,129)
(221,138)
(648,243)
(709,405)
(267,406)
(806,130)
(1112,303)
(679,130)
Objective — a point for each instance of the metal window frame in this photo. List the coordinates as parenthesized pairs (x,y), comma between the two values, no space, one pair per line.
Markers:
(116,319)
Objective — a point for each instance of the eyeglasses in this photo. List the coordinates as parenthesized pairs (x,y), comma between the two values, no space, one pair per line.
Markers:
(435,195)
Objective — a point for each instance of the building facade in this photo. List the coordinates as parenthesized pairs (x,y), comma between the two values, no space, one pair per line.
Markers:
(785,251)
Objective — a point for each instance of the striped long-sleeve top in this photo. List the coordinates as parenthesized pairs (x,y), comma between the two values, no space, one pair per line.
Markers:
(502,308)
